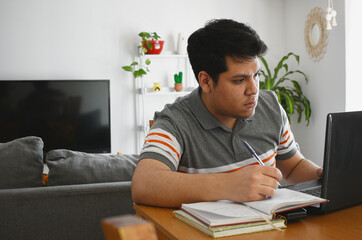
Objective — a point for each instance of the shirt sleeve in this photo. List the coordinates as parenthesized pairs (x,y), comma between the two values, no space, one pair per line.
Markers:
(162,144)
(287,147)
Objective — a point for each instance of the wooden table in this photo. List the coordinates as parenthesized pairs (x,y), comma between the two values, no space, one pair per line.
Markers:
(344,224)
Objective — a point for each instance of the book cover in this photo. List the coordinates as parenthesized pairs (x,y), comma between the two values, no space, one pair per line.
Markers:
(230,230)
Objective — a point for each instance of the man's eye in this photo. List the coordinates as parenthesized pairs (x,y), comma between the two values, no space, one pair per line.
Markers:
(239,81)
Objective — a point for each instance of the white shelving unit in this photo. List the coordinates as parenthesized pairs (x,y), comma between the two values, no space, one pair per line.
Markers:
(162,69)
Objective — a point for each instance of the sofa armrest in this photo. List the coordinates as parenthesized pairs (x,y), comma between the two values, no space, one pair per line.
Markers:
(62,212)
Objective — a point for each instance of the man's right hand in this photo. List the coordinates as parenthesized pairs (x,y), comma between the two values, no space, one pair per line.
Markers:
(252,183)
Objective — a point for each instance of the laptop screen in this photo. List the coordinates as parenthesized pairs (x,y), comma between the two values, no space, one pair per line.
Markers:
(342,179)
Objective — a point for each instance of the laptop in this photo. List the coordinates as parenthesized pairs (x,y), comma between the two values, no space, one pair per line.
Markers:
(342,167)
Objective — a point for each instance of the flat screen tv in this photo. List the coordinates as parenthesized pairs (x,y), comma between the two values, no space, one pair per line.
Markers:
(66,114)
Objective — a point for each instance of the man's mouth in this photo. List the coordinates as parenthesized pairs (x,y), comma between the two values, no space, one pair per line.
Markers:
(251,104)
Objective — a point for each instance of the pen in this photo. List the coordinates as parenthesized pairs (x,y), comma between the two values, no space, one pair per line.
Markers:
(251,150)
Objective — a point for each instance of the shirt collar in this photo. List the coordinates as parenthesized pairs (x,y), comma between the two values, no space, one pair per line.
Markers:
(198,108)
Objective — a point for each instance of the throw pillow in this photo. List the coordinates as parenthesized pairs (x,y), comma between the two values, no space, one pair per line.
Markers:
(21,163)
(71,167)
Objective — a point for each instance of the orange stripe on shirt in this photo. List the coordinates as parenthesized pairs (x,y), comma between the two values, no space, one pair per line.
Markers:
(159,134)
(287,130)
(270,157)
(255,163)
(285,140)
(274,163)
(285,133)
(167,145)
(236,169)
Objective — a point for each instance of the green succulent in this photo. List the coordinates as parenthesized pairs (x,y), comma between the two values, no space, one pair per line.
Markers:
(287,87)
(178,77)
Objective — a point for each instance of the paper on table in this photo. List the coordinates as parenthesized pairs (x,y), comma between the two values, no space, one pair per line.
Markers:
(224,208)
(284,197)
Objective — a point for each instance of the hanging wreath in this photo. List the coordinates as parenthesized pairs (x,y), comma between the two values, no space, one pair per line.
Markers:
(316,49)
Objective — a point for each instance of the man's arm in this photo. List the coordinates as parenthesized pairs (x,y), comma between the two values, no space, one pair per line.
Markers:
(155,184)
(298,169)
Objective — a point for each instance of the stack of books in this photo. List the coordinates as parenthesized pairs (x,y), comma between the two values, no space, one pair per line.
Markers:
(227,218)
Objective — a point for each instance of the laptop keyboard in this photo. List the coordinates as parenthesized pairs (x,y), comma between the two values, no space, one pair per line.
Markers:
(313,191)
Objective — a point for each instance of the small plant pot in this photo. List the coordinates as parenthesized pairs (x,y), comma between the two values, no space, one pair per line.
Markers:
(178,87)
(157,47)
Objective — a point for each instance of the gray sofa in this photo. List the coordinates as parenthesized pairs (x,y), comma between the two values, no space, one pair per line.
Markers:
(82,189)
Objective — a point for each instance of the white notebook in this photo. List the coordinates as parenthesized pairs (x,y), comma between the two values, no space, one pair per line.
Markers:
(225,212)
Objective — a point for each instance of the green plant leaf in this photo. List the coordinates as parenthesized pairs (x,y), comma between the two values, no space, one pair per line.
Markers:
(281,63)
(155,36)
(289,103)
(285,67)
(304,75)
(295,72)
(139,73)
(263,73)
(149,45)
(267,83)
(148,61)
(261,85)
(127,68)
(307,110)
(134,64)
(144,35)
(266,67)
(281,80)
(297,87)
(278,94)
(299,109)
(284,77)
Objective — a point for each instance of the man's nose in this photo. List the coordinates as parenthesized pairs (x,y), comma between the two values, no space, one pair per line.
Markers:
(253,86)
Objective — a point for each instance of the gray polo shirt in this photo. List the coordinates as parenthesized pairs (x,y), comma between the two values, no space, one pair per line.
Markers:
(187,138)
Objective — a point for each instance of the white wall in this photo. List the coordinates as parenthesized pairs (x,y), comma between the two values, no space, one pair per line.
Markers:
(326,89)
(353,55)
(92,39)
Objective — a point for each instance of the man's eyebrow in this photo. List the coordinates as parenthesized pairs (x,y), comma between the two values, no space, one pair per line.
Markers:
(242,75)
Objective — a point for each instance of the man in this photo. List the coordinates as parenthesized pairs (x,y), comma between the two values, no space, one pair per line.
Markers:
(194,151)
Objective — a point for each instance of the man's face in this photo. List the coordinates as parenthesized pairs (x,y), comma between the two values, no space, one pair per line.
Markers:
(237,90)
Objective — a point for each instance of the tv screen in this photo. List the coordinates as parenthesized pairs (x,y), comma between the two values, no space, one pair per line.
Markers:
(66,114)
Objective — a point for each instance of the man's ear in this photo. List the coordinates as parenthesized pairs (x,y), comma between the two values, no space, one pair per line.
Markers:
(205,81)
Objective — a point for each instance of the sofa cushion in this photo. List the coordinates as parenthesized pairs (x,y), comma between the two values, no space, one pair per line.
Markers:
(21,163)
(71,167)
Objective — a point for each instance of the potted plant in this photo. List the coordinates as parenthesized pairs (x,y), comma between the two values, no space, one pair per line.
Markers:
(287,88)
(151,43)
(148,45)
(178,81)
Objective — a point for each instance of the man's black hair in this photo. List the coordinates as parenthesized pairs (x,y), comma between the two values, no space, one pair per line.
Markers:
(209,46)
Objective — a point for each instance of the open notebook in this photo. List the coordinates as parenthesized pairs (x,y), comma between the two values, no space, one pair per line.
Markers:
(221,213)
